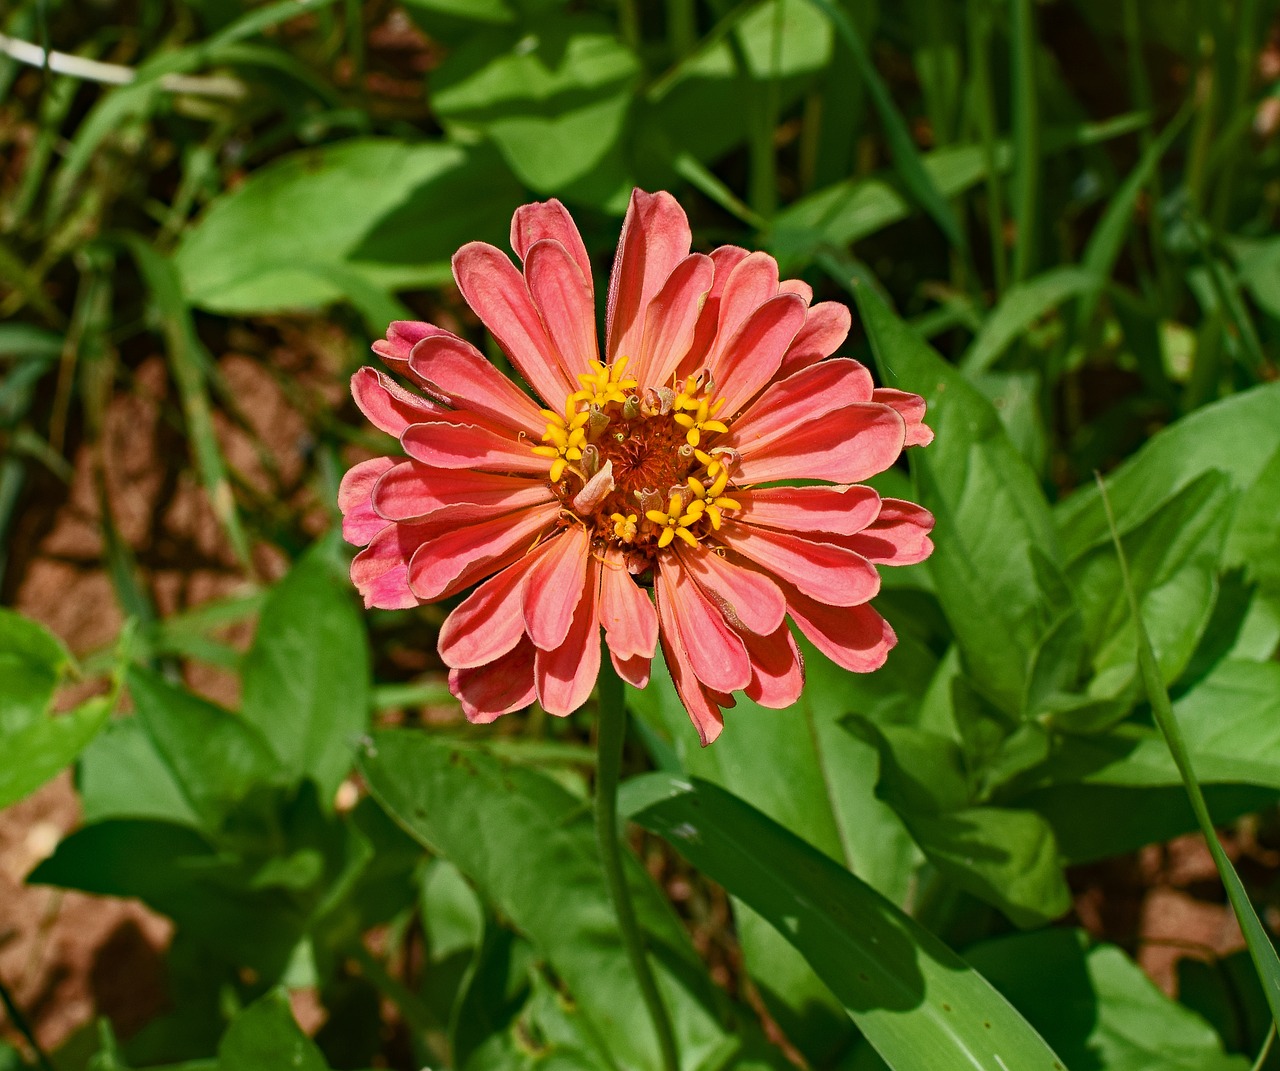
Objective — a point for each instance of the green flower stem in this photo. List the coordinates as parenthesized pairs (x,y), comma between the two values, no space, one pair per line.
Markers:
(611,731)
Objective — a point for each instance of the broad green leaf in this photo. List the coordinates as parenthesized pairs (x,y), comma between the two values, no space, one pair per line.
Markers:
(175,871)
(1096,1007)
(529,848)
(215,757)
(369,205)
(1003,856)
(987,501)
(1021,307)
(31,661)
(1237,436)
(45,746)
(1258,265)
(920,1005)
(122,775)
(554,97)
(1174,554)
(306,677)
(265,1037)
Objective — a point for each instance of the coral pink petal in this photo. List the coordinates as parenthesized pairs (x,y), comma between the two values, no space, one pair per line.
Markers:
(724,259)
(487,623)
(825,329)
(555,588)
(655,238)
(842,510)
(911,406)
(496,292)
(635,670)
(402,336)
(451,558)
(716,653)
(777,669)
(566,675)
(846,446)
(703,709)
(462,377)
(488,692)
(899,535)
(626,611)
(797,286)
(380,571)
(355,499)
(803,397)
(563,298)
(670,320)
(834,574)
(549,219)
(464,441)
(747,364)
(856,638)
(746,598)
(752,282)
(412,491)
(388,405)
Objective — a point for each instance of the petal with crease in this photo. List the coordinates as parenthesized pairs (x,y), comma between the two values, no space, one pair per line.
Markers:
(412,491)
(842,509)
(716,653)
(777,669)
(825,328)
(549,219)
(746,598)
(626,611)
(450,559)
(846,446)
(565,676)
(855,638)
(752,282)
(752,358)
(380,571)
(724,259)
(462,377)
(808,395)
(702,706)
(911,406)
(488,692)
(388,405)
(670,320)
(355,499)
(555,588)
(899,536)
(464,441)
(496,292)
(833,574)
(655,238)
(487,623)
(564,300)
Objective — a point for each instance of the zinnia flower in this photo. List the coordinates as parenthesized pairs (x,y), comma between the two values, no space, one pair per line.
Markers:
(644,489)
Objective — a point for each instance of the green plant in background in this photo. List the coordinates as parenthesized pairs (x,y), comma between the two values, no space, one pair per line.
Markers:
(1056,222)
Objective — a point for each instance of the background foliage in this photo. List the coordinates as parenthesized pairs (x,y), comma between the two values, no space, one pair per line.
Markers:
(1056,221)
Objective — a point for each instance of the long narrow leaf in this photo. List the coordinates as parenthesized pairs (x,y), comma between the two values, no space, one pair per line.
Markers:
(906,156)
(920,1005)
(1261,948)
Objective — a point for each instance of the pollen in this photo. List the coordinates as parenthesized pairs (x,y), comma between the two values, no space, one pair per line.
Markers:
(656,443)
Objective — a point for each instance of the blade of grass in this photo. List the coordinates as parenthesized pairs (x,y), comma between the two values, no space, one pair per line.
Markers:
(982,100)
(1026,139)
(906,157)
(186,356)
(1261,949)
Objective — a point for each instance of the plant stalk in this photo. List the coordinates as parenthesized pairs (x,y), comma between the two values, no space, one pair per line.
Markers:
(611,732)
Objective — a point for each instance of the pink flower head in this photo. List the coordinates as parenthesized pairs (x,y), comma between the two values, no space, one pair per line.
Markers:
(644,490)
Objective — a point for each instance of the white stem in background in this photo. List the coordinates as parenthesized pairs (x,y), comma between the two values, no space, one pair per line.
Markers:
(114,73)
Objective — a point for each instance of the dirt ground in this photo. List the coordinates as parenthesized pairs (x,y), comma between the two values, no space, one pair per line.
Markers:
(66,957)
